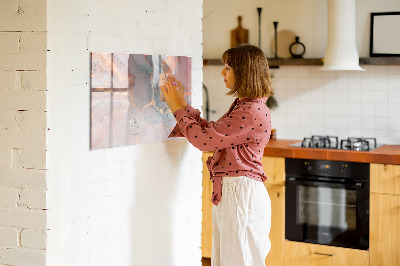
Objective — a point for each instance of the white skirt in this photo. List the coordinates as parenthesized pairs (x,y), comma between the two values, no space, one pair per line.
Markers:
(241,223)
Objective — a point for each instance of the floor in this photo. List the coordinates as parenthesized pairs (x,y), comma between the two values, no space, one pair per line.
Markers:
(206,261)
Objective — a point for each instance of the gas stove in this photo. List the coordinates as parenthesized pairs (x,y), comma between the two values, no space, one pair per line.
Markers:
(332,142)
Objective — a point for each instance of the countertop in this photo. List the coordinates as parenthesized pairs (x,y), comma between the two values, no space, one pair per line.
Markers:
(389,154)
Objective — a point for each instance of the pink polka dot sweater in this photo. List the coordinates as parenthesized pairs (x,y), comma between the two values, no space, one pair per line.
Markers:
(238,139)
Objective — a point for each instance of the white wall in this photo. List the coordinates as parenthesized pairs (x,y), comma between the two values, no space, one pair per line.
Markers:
(23,133)
(134,205)
(306,19)
(344,103)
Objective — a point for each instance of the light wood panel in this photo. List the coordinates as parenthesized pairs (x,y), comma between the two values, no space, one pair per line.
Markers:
(277,233)
(274,168)
(206,232)
(384,230)
(385,178)
(304,254)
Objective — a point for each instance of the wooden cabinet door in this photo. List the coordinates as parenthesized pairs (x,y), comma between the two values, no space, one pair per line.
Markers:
(206,226)
(274,168)
(304,254)
(277,233)
(384,237)
(385,178)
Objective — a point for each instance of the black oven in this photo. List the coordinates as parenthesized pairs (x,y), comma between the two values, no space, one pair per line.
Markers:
(327,202)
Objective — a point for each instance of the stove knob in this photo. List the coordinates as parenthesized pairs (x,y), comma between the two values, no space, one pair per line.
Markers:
(343,168)
(308,167)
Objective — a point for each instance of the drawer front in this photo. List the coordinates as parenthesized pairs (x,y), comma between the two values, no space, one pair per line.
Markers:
(297,253)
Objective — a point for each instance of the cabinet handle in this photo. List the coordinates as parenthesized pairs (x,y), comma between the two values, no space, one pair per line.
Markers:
(324,254)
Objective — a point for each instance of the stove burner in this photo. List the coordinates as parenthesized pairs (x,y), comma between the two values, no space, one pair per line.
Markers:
(328,142)
(358,144)
(332,142)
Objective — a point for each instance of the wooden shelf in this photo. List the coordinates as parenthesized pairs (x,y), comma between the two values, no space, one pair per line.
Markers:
(273,63)
(294,62)
(380,61)
(212,62)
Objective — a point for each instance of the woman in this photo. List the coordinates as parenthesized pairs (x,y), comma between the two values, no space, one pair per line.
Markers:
(242,208)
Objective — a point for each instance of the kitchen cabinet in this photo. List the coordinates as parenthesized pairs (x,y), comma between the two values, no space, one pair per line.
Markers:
(274,168)
(206,225)
(384,245)
(385,230)
(384,221)
(277,233)
(385,215)
(385,178)
(305,254)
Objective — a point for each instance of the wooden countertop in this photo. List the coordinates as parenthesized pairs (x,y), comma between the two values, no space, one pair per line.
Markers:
(389,154)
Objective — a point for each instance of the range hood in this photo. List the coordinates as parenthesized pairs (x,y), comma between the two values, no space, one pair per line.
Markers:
(341,51)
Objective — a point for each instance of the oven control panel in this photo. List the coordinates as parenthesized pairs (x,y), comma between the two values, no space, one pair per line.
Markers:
(337,169)
(325,167)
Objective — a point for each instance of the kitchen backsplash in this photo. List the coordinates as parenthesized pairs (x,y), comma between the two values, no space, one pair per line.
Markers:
(314,102)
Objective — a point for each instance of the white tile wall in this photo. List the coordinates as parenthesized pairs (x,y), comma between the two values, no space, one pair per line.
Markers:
(312,102)
(342,103)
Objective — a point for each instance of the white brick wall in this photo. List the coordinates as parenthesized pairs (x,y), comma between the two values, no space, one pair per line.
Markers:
(23,132)
(99,204)
(9,237)
(33,239)
(11,256)
(8,197)
(134,205)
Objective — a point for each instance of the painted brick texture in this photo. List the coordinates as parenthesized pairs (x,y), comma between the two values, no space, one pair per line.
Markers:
(33,239)
(134,205)
(111,206)
(23,132)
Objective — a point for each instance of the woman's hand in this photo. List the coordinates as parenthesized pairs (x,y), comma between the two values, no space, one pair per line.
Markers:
(181,90)
(173,94)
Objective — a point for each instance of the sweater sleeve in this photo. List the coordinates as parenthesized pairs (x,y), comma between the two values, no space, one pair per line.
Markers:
(229,131)
(193,113)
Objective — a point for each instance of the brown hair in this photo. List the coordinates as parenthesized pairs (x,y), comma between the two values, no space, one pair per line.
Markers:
(250,66)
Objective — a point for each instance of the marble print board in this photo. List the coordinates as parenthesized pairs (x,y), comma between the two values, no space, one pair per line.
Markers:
(127,105)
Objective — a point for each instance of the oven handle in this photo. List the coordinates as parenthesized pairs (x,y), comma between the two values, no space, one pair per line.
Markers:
(357,185)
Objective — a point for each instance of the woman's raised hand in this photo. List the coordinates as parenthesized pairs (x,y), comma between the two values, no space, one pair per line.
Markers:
(181,91)
(173,91)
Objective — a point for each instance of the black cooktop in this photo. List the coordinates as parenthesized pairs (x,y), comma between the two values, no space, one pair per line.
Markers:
(332,142)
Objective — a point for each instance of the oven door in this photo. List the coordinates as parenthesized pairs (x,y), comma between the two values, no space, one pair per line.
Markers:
(327,213)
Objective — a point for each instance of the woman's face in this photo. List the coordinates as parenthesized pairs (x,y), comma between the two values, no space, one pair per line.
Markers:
(229,76)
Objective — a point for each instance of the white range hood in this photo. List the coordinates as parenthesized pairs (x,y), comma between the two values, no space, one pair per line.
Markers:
(341,51)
